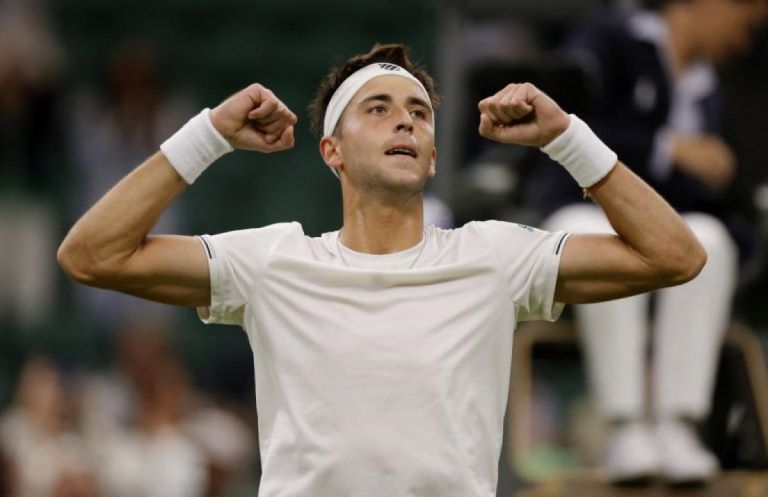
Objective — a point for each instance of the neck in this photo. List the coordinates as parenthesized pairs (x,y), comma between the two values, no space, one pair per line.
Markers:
(681,26)
(375,224)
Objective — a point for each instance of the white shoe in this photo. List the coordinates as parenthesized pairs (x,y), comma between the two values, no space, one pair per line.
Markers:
(684,460)
(631,454)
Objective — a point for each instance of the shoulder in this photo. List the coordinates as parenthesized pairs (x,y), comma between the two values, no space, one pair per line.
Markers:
(272,231)
(494,228)
(253,239)
(501,236)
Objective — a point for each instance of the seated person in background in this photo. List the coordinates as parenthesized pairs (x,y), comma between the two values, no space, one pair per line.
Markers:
(659,107)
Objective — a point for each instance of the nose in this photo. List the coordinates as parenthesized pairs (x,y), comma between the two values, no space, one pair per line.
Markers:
(404,121)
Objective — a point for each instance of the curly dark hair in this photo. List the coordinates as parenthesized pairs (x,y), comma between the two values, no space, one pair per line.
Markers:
(393,53)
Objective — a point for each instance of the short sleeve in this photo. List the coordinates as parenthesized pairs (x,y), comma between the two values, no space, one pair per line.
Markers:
(529,260)
(236,263)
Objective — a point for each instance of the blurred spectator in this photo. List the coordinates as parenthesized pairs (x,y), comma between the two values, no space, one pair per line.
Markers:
(153,431)
(659,108)
(227,443)
(133,420)
(30,63)
(45,456)
(139,431)
(114,128)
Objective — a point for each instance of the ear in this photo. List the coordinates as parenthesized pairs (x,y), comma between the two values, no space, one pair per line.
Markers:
(432,163)
(331,153)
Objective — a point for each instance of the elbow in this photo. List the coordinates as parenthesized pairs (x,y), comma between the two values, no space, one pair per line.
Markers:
(695,259)
(75,263)
(686,266)
(67,258)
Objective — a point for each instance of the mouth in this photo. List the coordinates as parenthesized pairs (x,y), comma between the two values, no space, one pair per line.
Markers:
(402,150)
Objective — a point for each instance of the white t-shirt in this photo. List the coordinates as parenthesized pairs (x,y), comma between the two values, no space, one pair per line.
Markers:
(382,375)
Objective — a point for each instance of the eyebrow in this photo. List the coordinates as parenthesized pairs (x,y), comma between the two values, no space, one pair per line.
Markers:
(385,97)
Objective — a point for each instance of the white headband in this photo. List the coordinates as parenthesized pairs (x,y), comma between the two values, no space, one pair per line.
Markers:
(352,85)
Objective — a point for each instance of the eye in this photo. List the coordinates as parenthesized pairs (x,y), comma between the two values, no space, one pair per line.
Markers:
(378,110)
(419,113)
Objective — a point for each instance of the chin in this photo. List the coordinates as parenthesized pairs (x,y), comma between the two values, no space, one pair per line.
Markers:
(406,183)
(395,176)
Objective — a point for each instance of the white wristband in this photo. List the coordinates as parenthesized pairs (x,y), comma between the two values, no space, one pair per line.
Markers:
(195,146)
(581,153)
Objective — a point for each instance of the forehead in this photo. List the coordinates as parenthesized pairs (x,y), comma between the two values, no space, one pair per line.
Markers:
(396,86)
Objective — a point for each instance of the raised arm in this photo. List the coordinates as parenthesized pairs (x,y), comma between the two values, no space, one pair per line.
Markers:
(109,246)
(653,247)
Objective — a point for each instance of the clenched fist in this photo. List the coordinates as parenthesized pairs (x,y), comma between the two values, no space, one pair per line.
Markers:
(521,114)
(255,119)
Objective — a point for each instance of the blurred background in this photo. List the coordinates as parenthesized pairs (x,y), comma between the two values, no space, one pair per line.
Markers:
(101,394)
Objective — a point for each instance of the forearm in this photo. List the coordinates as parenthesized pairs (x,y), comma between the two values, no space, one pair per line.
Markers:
(648,225)
(116,226)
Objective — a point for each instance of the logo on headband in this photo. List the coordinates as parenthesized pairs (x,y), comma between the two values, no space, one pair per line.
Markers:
(389,67)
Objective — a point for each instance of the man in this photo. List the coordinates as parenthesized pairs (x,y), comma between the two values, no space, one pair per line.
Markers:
(382,350)
(660,109)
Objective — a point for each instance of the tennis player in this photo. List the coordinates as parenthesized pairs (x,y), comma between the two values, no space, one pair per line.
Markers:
(381,350)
